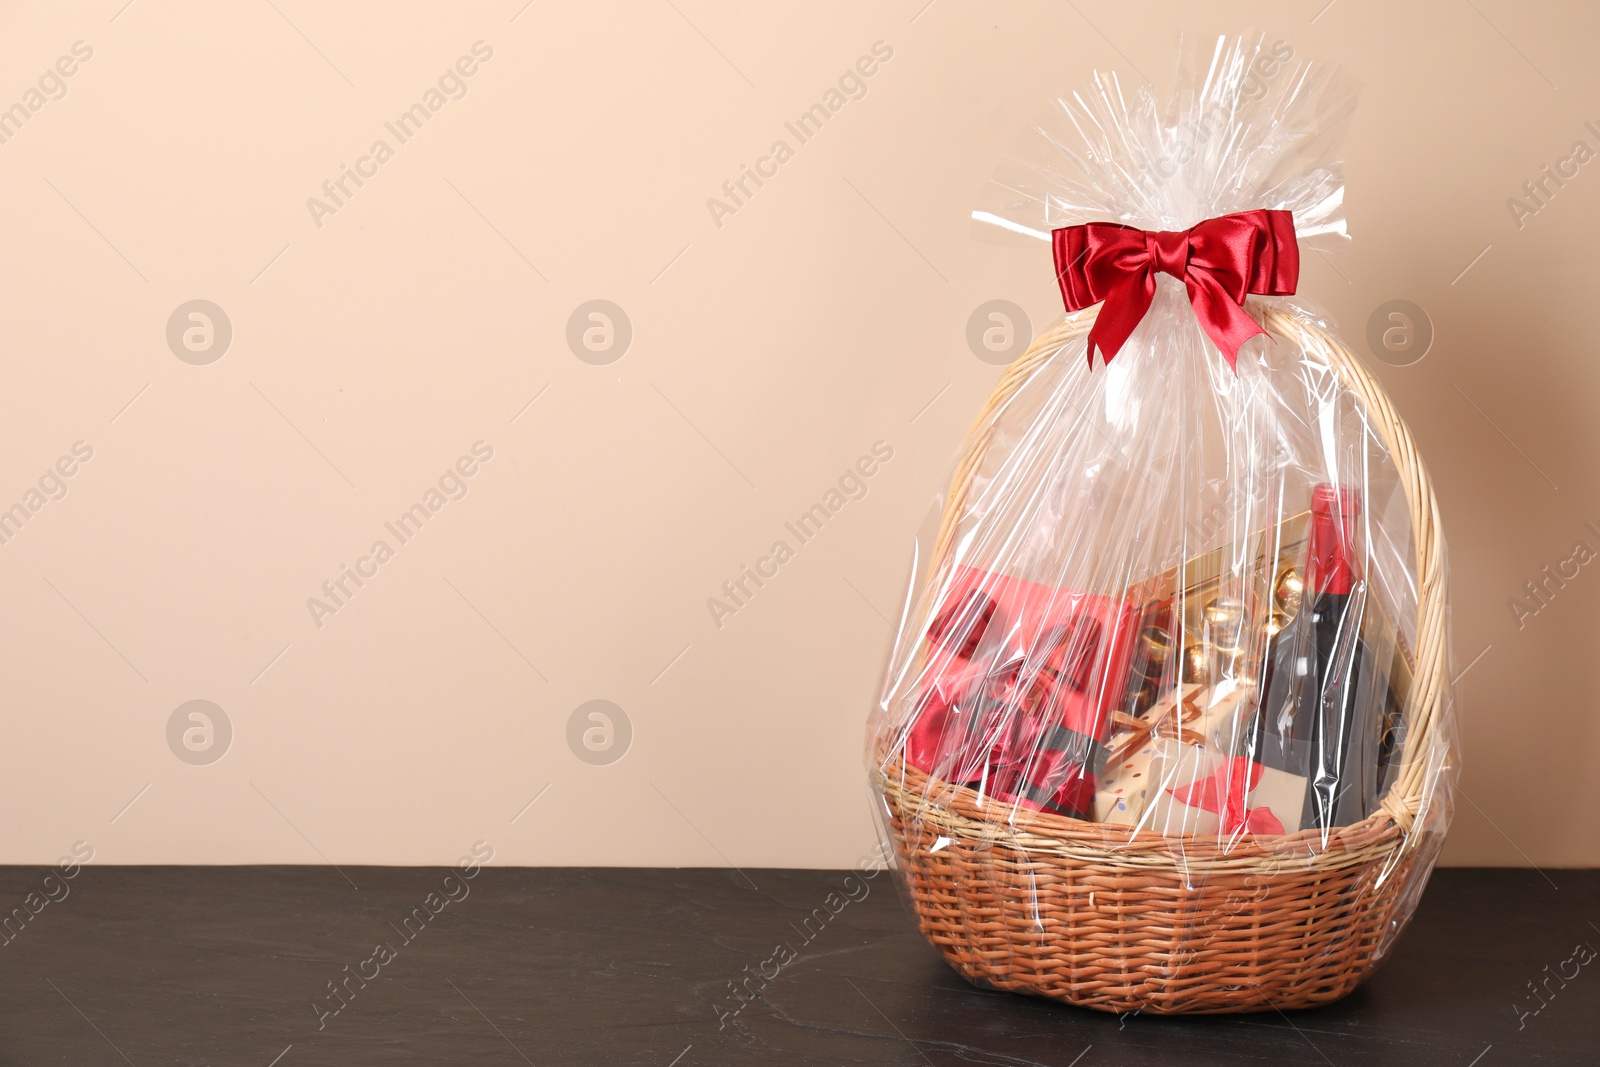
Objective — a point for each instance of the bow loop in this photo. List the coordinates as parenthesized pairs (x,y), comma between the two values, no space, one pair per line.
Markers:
(1219,260)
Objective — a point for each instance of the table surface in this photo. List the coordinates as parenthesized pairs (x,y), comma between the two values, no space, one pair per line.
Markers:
(235,965)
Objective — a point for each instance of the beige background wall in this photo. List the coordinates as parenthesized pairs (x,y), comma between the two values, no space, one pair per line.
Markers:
(430,310)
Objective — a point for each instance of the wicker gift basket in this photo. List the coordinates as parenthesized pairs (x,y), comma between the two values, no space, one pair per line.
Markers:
(1130,924)
(1015,886)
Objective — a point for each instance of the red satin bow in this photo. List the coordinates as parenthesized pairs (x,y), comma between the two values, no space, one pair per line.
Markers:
(1219,260)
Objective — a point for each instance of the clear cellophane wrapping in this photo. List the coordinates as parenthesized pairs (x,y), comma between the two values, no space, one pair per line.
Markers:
(1160,587)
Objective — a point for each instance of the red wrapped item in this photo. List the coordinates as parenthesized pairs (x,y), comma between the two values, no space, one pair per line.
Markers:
(1019,690)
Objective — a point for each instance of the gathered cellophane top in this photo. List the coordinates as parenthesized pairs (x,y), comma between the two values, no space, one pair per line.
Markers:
(1167,596)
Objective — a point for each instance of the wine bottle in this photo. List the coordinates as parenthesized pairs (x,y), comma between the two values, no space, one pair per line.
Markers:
(1346,729)
(1317,731)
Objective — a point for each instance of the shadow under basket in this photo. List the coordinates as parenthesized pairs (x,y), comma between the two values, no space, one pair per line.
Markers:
(1108,918)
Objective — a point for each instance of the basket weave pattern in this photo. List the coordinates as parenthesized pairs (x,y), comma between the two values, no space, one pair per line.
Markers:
(1108,918)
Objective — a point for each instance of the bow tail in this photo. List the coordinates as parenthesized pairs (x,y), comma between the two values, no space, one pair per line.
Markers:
(1124,306)
(1223,318)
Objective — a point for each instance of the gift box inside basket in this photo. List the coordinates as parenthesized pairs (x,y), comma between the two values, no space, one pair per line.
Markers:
(1167,724)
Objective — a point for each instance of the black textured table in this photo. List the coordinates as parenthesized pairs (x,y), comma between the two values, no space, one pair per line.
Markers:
(277,965)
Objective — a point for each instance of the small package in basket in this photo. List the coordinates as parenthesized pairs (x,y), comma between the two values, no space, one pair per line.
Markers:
(1167,725)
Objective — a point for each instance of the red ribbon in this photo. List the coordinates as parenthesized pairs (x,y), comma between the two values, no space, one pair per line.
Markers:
(1224,793)
(1219,261)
